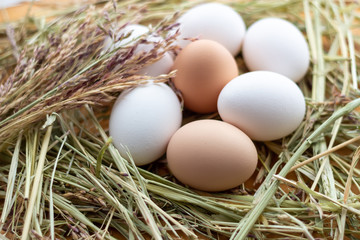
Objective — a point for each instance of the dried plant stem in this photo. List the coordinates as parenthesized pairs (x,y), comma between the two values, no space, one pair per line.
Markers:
(61,203)
(249,220)
(51,201)
(36,183)
(30,159)
(21,111)
(11,182)
(87,189)
(318,95)
(116,203)
(316,194)
(100,157)
(354,161)
(327,152)
(140,198)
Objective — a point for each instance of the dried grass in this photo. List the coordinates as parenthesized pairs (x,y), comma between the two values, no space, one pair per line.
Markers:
(61,177)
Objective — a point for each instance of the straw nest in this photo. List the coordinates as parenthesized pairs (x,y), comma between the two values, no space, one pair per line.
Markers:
(61,177)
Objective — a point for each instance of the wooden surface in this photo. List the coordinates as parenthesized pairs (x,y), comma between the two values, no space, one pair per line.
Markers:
(38,8)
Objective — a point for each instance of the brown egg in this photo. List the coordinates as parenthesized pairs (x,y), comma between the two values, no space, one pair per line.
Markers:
(204,67)
(211,155)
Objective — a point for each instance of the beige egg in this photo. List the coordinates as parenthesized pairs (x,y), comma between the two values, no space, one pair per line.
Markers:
(211,155)
(203,67)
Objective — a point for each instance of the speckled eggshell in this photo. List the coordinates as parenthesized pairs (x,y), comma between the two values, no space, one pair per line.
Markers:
(276,45)
(211,155)
(143,120)
(265,105)
(203,67)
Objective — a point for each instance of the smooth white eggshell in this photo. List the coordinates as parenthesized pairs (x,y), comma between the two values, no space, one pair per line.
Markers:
(161,66)
(135,31)
(213,21)
(276,45)
(143,120)
(265,105)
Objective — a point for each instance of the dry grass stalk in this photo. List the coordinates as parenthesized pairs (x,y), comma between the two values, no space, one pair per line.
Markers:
(80,187)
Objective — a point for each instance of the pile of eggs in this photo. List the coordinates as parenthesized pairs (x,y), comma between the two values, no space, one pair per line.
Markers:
(264,104)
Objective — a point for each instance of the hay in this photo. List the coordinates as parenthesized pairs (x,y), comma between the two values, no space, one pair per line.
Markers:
(61,177)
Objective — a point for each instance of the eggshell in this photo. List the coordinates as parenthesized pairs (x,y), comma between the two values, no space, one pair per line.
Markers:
(132,31)
(211,155)
(214,21)
(162,66)
(135,31)
(276,45)
(264,105)
(203,67)
(143,120)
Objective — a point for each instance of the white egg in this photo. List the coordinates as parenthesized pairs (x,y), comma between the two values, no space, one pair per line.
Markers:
(135,31)
(274,44)
(265,105)
(213,21)
(143,120)
(161,66)
(132,31)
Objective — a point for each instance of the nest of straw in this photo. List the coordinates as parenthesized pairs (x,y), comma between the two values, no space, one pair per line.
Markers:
(61,177)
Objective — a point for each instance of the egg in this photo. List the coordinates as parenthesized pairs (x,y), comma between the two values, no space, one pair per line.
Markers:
(142,121)
(130,33)
(211,155)
(265,105)
(274,44)
(133,32)
(214,21)
(203,67)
